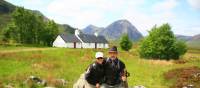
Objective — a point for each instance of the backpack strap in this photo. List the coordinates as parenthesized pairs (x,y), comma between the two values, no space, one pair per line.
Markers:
(118,64)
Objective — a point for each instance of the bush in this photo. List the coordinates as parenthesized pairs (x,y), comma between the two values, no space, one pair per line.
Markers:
(161,44)
(125,43)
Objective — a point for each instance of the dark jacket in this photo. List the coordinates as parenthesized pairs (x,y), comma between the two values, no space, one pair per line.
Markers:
(95,73)
(113,71)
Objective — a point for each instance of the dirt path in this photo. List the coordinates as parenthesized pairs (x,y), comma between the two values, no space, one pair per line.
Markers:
(26,50)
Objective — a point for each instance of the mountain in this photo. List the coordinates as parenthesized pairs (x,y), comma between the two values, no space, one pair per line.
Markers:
(115,30)
(191,41)
(66,29)
(118,28)
(7,8)
(183,37)
(196,38)
(194,42)
(91,29)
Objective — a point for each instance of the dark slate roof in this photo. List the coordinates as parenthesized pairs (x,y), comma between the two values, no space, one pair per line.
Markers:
(69,38)
(102,39)
(87,38)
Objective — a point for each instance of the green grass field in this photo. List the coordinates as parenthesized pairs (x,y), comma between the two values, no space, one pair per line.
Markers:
(54,63)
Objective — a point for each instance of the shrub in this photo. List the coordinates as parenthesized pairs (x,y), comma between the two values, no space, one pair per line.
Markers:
(125,43)
(161,43)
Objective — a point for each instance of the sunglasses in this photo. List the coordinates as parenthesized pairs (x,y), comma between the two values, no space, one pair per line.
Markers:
(100,58)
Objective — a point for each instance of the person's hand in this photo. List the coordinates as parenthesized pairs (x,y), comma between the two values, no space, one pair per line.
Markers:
(97,85)
(123,78)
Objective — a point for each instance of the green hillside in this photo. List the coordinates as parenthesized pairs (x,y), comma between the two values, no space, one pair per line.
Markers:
(5,13)
(67,29)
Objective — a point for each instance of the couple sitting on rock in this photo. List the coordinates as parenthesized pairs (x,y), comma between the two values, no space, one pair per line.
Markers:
(106,73)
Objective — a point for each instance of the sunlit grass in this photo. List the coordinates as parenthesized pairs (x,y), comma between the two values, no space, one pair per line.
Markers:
(70,63)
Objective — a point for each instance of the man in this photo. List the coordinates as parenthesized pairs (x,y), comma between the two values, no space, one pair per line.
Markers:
(114,70)
(95,73)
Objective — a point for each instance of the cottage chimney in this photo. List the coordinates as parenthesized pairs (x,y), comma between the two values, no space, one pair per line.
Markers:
(77,32)
(96,34)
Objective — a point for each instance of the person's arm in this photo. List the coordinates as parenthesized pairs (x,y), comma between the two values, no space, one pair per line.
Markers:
(124,76)
(89,71)
(123,72)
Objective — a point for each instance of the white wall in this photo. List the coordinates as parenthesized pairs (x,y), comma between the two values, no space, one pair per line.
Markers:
(78,45)
(69,45)
(59,42)
(88,45)
(106,45)
(102,45)
(92,45)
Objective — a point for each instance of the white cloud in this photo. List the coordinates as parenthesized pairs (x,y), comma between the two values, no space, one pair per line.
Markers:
(187,29)
(74,13)
(30,4)
(144,22)
(80,13)
(33,2)
(165,8)
(194,3)
(160,13)
(85,12)
(141,21)
(165,5)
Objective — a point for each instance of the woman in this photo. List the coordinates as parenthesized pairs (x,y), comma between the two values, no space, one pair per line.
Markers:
(95,72)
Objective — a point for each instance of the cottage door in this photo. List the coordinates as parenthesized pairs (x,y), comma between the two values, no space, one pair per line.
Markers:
(95,45)
(74,44)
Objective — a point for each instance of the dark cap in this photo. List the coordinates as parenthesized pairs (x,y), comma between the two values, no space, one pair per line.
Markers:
(113,49)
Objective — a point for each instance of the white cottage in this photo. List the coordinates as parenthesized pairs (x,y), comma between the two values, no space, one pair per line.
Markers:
(80,40)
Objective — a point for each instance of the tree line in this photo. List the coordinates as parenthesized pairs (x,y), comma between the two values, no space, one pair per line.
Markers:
(27,27)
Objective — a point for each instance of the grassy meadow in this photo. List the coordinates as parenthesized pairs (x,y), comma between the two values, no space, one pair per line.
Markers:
(18,63)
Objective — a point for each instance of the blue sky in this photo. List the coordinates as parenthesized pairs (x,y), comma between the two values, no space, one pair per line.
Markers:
(182,15)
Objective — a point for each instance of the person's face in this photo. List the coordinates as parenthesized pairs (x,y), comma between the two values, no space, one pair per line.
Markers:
(100,60)
(113,55)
